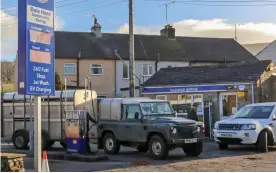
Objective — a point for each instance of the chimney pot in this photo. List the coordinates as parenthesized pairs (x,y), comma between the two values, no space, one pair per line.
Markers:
(168,31)
(96,28)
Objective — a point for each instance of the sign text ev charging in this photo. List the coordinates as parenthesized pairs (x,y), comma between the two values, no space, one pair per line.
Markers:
(36,61)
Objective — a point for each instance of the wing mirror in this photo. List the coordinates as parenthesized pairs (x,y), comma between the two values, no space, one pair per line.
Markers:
(136,115)
(274,117)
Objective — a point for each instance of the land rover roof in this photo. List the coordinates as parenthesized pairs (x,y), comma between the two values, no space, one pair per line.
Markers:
(135,100)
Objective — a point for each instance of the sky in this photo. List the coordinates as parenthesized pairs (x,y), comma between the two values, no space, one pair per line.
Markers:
(212,18)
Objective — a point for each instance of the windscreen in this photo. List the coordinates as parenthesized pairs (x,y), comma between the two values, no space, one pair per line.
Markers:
(254,112)
(156,109)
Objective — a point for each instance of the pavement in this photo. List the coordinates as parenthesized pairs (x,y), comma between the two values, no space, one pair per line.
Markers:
(124,161)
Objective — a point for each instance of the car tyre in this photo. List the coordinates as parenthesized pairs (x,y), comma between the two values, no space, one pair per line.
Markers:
(142,148)
(262,145)
(20,139)
(194,149)
(111,145)
(223,146)
(158,148)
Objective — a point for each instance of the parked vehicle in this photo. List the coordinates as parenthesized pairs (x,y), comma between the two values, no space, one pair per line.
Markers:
(146,124)
(17,115)
(253,124)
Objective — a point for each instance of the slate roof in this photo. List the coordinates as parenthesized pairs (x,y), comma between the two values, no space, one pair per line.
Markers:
(147,47)
(227,73)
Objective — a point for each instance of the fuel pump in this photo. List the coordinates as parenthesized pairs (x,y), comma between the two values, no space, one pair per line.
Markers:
(76,130)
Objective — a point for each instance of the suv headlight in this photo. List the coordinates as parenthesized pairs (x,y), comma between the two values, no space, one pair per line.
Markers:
(248,127)
(173,130)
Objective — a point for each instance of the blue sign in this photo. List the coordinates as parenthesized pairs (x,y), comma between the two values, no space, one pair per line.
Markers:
(36,47)
(185,89)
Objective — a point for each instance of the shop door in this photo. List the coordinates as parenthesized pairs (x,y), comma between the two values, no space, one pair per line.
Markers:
(228,104)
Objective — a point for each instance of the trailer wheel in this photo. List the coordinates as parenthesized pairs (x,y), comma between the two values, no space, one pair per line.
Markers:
(111,145)
(20,139)
(194,149)
(45,140)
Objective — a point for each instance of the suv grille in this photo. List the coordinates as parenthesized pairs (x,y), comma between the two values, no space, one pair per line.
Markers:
(187,131)
(229,126)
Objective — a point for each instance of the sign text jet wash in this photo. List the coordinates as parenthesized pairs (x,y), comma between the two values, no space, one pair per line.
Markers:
(36,49)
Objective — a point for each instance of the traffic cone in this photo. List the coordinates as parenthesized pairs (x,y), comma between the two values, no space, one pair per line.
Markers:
(45,166)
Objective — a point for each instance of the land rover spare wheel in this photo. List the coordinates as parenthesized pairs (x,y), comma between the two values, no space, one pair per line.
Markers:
(158,147)
(111,145)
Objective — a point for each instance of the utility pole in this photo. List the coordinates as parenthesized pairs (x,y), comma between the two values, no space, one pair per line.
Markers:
(131,51)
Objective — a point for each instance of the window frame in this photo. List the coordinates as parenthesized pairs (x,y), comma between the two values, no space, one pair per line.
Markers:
(91,69)
(148,67)
(124,106)
(75,68)
(127,72)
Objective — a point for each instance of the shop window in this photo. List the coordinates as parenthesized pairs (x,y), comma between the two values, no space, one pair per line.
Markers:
(189,99)
(161,97)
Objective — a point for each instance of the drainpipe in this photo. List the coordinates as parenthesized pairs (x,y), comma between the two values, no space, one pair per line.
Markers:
(115,80)
(156,63)
(260,94)
(78,68)
(252,92)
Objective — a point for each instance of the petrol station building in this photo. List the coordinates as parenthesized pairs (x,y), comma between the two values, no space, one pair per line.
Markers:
(228,87)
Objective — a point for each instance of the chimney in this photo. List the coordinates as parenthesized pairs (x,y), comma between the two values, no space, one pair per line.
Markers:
(96,28)
(168,32)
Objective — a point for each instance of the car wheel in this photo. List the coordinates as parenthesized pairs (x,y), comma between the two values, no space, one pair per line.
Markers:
(194,149)
(158,147)
(142,148)
(111,145)
(21,139)
(223,146)
(263,147)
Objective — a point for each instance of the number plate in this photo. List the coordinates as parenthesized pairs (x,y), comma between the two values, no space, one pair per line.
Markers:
(224,135)
(193,140)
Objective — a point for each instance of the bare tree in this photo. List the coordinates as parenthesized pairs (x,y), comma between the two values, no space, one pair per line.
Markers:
(7,71)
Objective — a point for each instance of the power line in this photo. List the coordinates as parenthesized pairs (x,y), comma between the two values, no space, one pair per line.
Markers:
(228,5)
(57,2)
(64,5)
(118,2)
(219,1)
